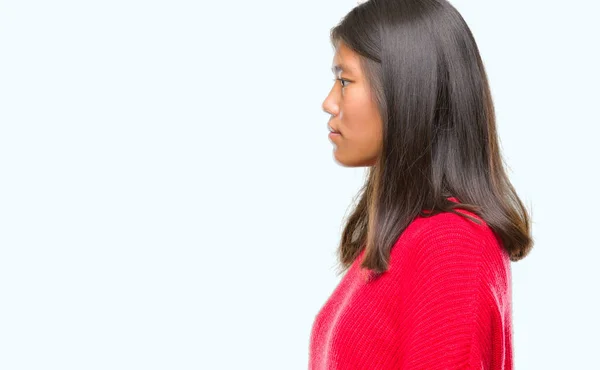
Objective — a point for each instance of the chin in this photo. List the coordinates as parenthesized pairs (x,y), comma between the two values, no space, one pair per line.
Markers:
(353,162)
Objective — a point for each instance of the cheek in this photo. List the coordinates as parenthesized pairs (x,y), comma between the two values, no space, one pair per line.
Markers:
(362,120)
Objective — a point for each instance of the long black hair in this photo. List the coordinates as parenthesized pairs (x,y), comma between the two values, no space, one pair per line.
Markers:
(426,74)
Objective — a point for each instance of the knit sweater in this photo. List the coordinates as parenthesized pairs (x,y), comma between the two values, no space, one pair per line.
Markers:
(443,303)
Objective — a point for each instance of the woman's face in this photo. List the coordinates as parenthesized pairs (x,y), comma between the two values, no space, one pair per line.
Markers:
(354,113)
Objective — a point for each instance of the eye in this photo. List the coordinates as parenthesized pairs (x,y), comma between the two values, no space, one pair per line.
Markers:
(342,81)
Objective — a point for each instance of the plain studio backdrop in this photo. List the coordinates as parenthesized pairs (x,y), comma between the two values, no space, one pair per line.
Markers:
(169,197)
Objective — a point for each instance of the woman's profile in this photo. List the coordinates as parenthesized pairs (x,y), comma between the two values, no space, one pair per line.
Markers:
(426,251)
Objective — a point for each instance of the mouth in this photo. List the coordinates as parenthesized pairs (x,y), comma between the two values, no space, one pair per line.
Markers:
(333,131)
(334,135)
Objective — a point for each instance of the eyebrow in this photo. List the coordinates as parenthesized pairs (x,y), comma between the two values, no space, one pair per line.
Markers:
(340,68)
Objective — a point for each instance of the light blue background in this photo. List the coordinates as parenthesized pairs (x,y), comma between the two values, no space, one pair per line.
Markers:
(169,197)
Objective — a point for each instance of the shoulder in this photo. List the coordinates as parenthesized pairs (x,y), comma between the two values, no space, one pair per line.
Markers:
(454,297)
(447,239)
(449,228)
(445,221)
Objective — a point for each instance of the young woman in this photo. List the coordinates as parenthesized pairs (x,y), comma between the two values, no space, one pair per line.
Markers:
(427,250)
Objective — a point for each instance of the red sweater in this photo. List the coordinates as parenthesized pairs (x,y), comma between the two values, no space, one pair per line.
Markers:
(444,303)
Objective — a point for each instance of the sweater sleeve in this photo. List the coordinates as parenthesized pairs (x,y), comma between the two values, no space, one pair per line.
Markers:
(443,304)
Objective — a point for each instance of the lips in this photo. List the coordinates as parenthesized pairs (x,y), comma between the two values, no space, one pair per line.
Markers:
(331,129)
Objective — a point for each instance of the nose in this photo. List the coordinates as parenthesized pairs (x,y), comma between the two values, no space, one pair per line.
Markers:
(330,105)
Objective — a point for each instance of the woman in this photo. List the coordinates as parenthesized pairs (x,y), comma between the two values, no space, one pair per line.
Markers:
(427,250)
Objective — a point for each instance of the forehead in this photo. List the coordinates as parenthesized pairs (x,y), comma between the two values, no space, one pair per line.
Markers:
(345,60)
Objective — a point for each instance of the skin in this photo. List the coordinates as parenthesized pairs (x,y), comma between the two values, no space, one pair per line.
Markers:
(354,112)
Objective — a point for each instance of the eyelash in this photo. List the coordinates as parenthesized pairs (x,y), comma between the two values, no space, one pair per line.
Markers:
(341,79)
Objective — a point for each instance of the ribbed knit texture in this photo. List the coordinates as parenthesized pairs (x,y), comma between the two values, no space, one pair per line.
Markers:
(444,303)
